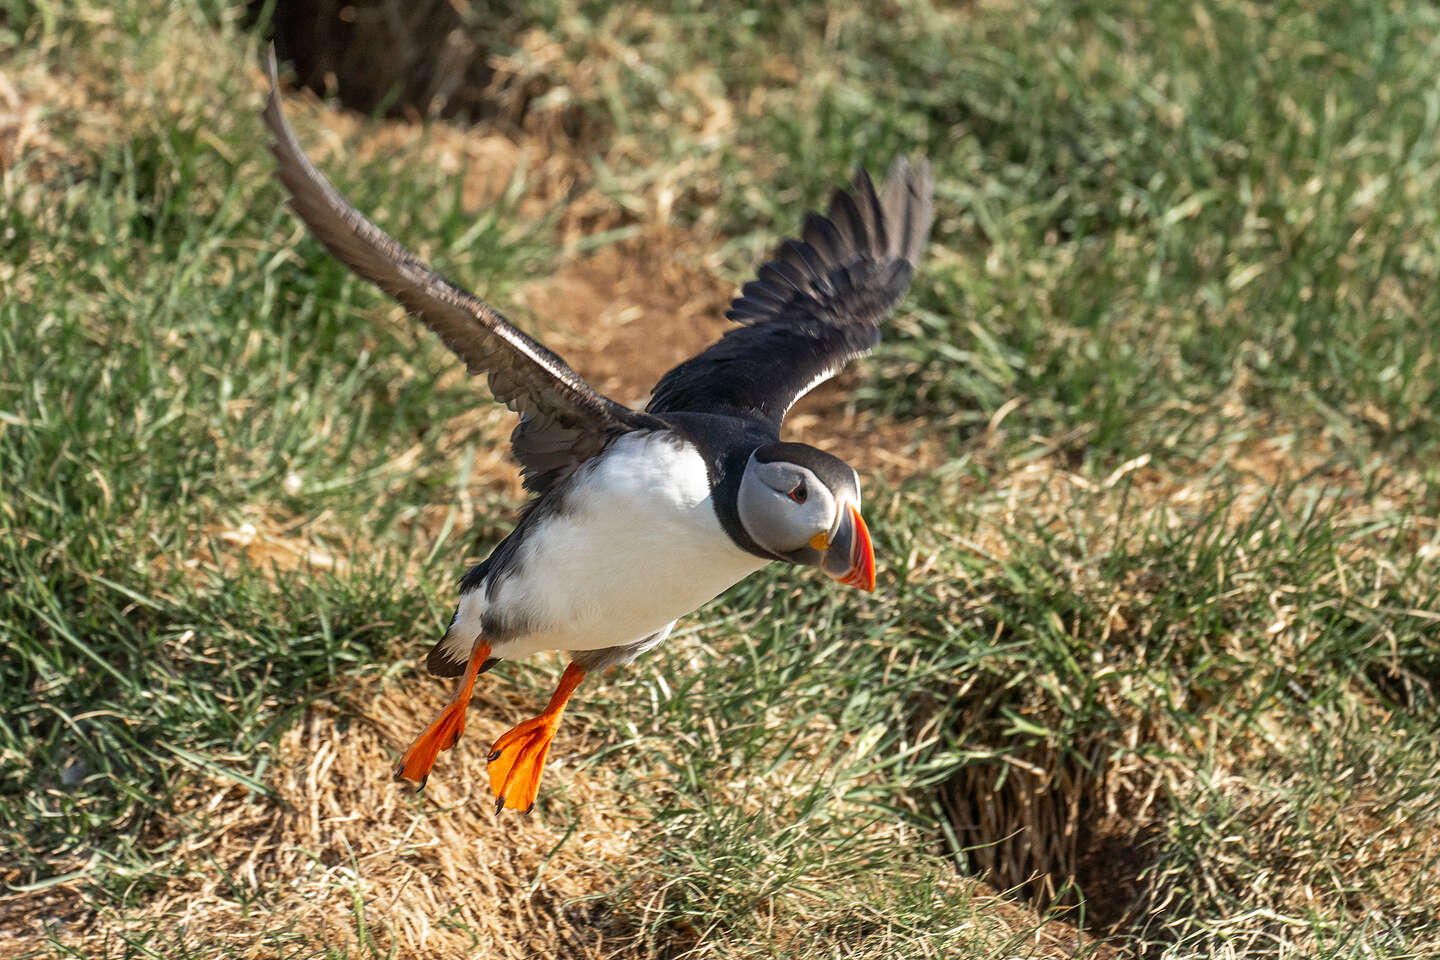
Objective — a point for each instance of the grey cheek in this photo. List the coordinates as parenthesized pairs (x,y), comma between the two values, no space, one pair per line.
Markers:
(778,523)
(760,511)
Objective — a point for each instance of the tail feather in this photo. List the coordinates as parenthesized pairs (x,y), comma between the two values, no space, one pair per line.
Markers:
(451,652)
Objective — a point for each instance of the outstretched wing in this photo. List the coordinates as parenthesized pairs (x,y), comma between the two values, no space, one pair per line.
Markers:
(562,420)
(816,306)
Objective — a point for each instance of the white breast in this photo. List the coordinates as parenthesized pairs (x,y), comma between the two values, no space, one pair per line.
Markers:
(635,546)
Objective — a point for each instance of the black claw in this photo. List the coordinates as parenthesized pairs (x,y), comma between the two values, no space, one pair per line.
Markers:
(401,778)
(499,804)
(529,808)
(494,755)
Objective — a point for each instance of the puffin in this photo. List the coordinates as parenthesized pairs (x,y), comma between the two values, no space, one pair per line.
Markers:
(636,518)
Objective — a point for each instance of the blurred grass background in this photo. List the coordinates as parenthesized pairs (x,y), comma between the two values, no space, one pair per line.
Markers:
(1151,668)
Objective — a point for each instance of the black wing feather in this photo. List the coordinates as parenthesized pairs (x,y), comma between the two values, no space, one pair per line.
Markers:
(563,421)
(815,307)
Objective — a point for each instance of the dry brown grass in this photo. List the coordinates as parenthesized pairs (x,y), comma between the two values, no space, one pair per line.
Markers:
(34,101)
(436,875)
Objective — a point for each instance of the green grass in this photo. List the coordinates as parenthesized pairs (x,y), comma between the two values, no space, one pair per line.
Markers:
(1146,204)
(170,362)
(1202,233)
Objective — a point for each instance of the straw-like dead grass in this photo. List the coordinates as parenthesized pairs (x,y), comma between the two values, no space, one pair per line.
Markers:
(32,99)
(342,853)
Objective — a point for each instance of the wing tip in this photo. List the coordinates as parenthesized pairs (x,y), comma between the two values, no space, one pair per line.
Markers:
(272,72)
(887,226)
(908,201)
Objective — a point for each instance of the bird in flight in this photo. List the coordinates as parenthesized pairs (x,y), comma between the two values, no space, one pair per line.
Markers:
(639,517)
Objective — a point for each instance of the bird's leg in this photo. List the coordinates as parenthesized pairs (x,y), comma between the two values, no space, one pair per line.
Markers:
(518,758)
(442,734)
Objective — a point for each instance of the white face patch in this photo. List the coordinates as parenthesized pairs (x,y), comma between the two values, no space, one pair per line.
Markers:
(783,506)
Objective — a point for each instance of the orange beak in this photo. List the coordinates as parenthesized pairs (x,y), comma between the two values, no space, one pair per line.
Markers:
(850,558)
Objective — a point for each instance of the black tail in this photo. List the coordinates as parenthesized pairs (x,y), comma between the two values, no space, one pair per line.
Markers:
(444,662)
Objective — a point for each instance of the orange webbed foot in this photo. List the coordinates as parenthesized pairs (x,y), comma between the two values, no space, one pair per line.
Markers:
(445,731)
(517,759)
(440,735)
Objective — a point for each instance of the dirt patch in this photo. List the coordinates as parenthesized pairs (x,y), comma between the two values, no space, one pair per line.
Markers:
(24,917)
(626,314)
(1113,854)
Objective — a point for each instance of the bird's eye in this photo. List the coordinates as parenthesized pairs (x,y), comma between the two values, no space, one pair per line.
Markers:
(800,494)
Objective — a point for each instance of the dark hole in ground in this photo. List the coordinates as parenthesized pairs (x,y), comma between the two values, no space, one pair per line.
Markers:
(1042,834)
(390,55)
(413,58)
(1113,854)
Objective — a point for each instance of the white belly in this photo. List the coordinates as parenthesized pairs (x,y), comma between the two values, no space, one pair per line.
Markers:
(636,546)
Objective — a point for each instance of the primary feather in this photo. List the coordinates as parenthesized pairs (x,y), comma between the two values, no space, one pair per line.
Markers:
(815,307)
(563,421)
